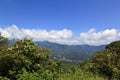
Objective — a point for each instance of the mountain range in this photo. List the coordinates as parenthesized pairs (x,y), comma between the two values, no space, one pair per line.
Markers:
(70,52)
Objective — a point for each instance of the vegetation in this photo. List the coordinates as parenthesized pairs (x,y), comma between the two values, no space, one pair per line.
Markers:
(3,41)
(70,52)
(24,60)
(24,54)
(106,62)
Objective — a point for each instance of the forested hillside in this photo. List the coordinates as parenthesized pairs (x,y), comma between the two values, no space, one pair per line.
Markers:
(24,60)
(68,52)
(71,52)
(106,62)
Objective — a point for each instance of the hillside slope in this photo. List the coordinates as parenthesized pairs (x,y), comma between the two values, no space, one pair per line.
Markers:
(71,52)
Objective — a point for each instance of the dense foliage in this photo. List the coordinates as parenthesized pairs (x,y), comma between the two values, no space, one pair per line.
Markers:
(24,60)
(106,62)
(24,54)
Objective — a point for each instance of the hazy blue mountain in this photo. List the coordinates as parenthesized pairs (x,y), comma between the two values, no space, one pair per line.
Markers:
(70,52)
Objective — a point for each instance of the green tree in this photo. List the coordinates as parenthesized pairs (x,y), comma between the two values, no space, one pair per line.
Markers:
(107,62)
(24,54)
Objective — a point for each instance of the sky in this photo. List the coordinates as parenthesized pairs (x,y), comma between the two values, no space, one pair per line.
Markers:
(75,22)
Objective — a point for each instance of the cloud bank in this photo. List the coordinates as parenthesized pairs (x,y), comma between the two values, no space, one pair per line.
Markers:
(65,36)
(99,38)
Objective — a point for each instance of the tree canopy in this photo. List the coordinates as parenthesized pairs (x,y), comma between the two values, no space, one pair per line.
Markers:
(107,61)
(24,60)
(24,54)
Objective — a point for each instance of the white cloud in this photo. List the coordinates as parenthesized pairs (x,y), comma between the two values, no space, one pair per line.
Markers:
(60,36)
(65,36)
(97,38)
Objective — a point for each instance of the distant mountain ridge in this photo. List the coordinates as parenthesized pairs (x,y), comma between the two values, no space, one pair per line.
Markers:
(70,52)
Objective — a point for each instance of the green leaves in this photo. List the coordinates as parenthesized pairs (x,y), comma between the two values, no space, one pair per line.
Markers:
(24,60)
(107,62)
(23,54)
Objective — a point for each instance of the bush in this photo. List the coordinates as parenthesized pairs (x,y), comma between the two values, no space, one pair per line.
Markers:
(106,62)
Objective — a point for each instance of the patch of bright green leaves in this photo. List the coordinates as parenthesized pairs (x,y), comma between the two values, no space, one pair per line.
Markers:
(24,60)
(106,62)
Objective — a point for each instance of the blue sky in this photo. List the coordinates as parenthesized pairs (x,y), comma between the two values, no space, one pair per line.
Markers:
(78,16)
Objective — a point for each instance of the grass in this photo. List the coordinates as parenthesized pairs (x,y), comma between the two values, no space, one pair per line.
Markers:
(80,75)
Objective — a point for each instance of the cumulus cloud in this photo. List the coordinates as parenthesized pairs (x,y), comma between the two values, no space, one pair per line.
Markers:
(65,36)
(98,38)
(60,36)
